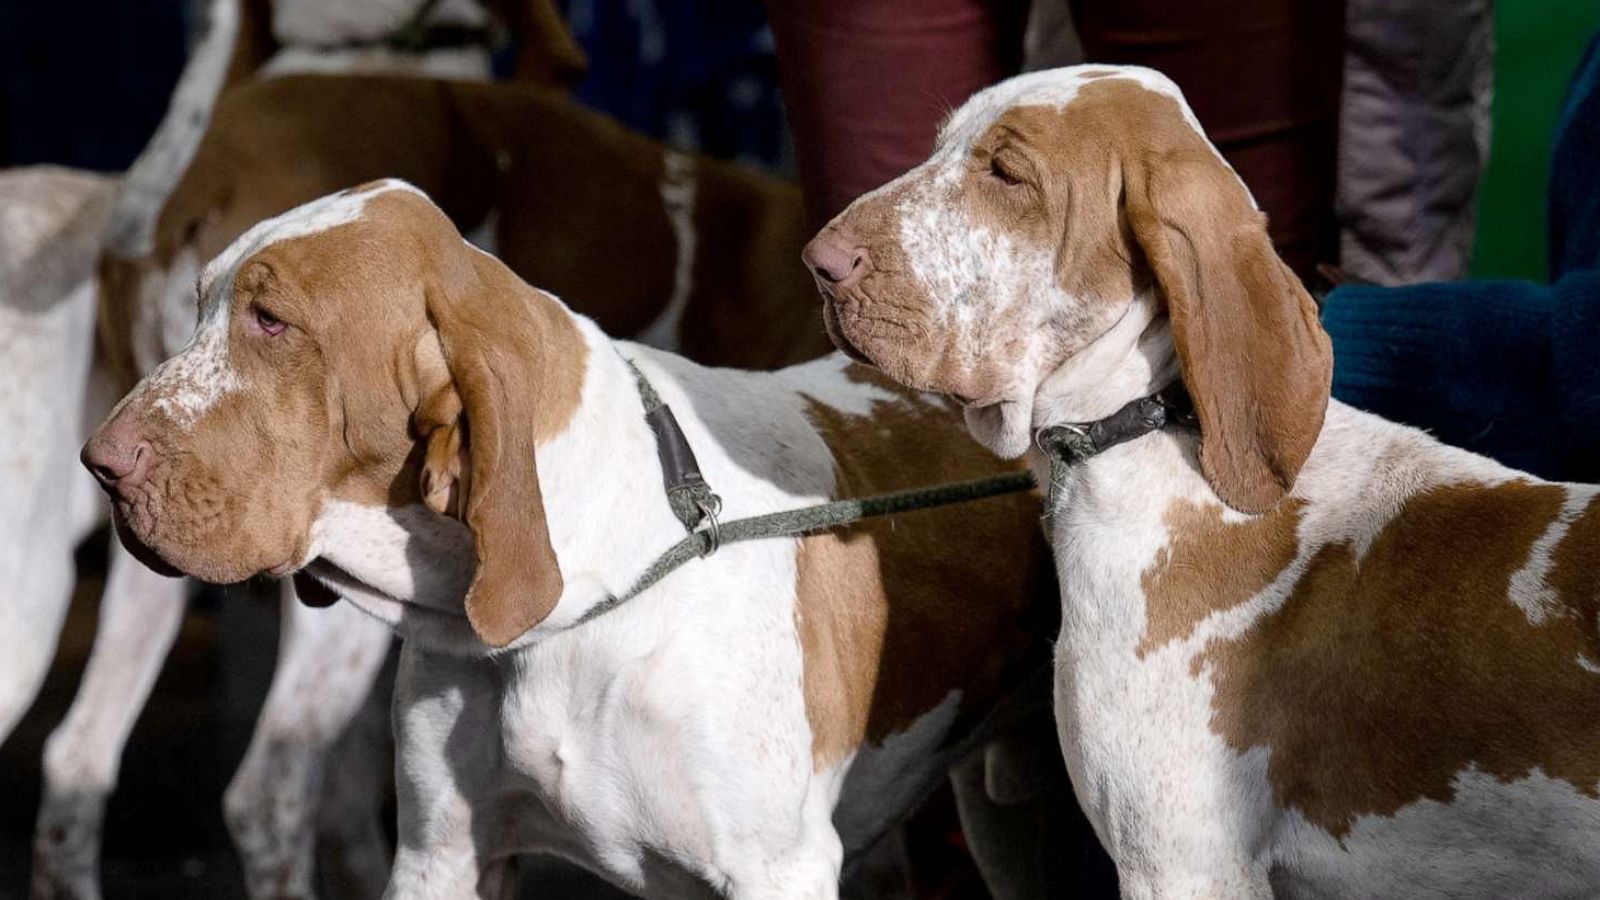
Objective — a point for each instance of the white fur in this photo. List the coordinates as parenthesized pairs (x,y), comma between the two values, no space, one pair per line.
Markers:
(677,199)
(1183,813)
(52,223)
(1528,587)
(454,63)
(328,662)
(140,613)
(319,23)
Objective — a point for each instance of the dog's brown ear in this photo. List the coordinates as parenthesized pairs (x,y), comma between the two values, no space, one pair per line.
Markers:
(1253,355)
(496,340)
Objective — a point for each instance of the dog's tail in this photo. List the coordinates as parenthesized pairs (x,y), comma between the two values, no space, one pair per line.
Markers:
(236,40)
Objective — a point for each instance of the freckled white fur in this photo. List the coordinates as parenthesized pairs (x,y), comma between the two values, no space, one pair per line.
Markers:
(1182,812)
(677,198)
(665,744)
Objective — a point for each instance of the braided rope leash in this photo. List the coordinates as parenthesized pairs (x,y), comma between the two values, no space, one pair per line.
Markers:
(697,507)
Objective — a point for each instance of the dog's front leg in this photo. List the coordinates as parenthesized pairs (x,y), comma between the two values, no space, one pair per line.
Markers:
(447,757)
(353,851)
(328,660)
(140,613)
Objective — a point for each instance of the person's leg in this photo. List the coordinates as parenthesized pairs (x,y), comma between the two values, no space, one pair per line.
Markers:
(1263,76)
(867,82)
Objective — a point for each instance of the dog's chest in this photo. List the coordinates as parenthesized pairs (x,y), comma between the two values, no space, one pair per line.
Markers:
(1135,709)
(645,733)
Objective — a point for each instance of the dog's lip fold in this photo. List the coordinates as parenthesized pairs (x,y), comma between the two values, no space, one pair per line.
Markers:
(141,551)
(830,320)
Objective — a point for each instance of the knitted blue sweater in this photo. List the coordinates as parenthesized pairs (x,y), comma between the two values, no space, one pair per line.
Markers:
(1510,369)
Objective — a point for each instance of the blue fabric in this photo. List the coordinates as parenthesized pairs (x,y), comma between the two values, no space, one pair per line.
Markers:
(1510,369)
(699,74)
(1574,216)
(1469,362)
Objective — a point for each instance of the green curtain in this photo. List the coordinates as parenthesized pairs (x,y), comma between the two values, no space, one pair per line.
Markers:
(1538,43)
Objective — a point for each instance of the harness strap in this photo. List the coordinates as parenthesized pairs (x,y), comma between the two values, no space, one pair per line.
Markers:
(691,499)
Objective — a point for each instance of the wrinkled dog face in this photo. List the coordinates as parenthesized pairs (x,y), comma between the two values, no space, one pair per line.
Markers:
(354,349)
(981,270)
(219,461)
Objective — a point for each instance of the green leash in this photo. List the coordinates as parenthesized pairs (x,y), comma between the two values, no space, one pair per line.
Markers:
(696,506)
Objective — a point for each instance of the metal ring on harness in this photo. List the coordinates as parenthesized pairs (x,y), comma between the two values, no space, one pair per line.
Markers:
(713,529)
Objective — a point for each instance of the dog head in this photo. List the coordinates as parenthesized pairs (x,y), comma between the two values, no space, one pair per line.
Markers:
(353,349)
(1052,203)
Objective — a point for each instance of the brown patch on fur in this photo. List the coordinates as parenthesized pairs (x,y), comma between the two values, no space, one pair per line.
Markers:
(890,620)
(1210,565)
(1381,678)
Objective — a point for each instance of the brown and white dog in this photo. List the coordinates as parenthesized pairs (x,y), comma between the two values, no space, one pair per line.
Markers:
(1305,652)
(710,251)
(274,796)
(372,403)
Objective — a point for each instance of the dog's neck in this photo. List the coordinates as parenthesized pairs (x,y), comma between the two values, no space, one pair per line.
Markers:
(1132,359)
(604,503)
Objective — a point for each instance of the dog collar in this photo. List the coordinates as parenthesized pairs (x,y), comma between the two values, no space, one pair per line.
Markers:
(1072,443)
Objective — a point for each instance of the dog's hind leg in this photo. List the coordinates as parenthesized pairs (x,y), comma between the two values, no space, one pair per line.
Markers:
(328,660)
(140,613)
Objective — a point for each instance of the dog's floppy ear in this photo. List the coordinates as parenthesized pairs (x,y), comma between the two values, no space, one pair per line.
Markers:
(1253,355)
(493,338)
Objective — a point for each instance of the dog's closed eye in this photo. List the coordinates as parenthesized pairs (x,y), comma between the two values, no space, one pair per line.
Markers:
(270,325)
(999,172)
